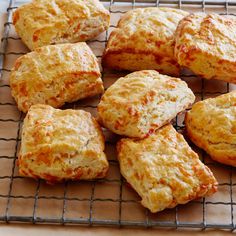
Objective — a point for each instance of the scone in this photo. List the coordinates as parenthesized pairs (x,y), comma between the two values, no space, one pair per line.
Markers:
(164,170)
(55,74)
(142,102)
(211,125)
(144,40)
(44,22)
(206,44)
(61,144)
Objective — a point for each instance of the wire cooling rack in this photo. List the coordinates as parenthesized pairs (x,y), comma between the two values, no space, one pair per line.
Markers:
(109,201)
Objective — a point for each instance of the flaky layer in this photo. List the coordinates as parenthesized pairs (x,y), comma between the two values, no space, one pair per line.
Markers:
(211,125)
(54,75)
(206,44)
(61,144)
(144,39)
(164,170)
(44,22)
(142,102)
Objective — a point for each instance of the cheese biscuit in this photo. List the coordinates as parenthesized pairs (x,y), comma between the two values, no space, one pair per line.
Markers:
(61,144)
(43,22)
(143,101)
(206,44)
(211,125)
(144,40)
(54,75)
(164,170)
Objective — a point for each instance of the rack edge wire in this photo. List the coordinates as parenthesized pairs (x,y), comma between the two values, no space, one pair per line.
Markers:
(4,40)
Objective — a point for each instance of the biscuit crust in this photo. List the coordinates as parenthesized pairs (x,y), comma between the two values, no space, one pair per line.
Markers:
(206,44)
(55,74)
(164,170)
(211,125)
(44,22)
(61,144)
(143,101)
(144,40)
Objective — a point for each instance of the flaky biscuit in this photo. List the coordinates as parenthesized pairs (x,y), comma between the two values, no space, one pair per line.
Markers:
(211,125)
(164,170)
(55,74)
(61,144)
(144,39)
(143,101)
(206,44)
(44,22)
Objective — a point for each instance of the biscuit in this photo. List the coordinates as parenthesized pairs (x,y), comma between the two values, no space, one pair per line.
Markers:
(144,40)
(206,44)
(61,144)
(164,170)
(44,22)
(211,125)
(142,102)
(55,74)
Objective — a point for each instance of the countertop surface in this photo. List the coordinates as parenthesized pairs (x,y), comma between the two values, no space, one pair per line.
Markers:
(33,230)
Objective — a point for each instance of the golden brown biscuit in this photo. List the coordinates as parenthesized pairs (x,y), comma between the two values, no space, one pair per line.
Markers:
(144,39)
(61,144)
(142,102)
(164,170)
(54,75)
(44,22)
(206,44)
(211,125)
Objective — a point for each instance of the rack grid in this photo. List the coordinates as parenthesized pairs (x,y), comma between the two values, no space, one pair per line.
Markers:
(109,201)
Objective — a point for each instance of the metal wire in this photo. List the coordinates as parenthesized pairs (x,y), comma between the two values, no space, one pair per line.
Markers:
(91,199)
